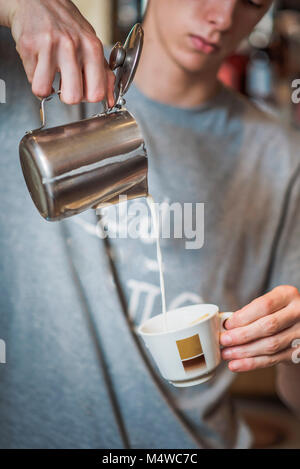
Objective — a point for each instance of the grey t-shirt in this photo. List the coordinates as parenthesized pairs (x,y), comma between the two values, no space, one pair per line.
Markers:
(76,375)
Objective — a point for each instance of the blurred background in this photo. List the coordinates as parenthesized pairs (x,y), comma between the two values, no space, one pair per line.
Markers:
(263,68)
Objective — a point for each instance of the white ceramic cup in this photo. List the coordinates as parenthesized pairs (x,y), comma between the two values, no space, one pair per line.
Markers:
(188,352)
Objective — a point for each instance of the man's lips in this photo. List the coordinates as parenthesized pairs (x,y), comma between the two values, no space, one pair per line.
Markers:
(203,45)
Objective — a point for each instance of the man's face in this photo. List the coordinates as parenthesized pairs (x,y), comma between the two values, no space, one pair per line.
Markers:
(200,34)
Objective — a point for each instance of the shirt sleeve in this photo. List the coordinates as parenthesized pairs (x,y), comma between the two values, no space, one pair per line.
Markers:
(285,262)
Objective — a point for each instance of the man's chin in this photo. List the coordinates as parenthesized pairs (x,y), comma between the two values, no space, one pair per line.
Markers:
(196,63)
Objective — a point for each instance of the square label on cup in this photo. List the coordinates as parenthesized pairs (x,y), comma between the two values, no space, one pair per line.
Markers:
(191,354)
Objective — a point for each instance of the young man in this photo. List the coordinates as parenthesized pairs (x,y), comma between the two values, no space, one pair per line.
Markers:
(76,376)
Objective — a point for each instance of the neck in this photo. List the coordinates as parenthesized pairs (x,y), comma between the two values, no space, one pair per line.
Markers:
(160,78)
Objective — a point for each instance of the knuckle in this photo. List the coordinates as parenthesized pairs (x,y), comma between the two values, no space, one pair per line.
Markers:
(25,43)
(273,346)
(67,42)
(244,335)
(241,352)
(48,38)
(293,290)
(271,325)
(266,304)
(273,360)
(95,46)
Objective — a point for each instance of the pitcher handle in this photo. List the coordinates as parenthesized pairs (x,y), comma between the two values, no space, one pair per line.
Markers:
(42,110)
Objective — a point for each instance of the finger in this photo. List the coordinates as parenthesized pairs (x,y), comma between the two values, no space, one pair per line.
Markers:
(269,303)
(95,74)
(265,361)
(44,74)
(95,81)
(265,346)
(29,67)
(264,327)
(111,79)
(26,49)
(71,75)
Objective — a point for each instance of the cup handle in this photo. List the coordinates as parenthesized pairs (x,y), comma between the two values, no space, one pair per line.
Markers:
(223,317)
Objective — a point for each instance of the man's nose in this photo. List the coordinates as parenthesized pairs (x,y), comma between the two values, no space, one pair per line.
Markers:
(220,13)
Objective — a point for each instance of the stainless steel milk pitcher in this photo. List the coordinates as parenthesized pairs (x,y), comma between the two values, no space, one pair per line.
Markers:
(90,163)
